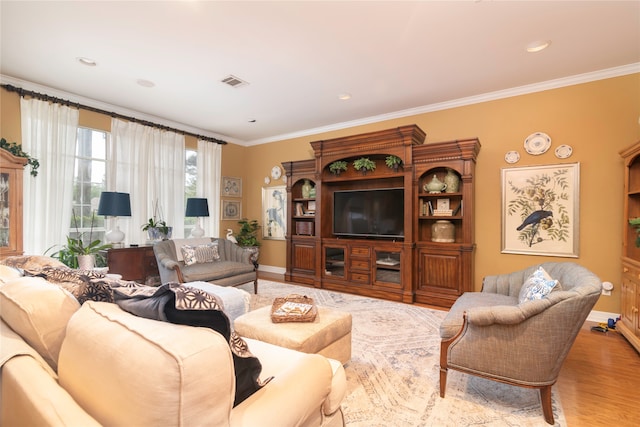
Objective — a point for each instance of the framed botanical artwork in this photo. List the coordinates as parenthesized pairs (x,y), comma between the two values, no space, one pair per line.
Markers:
(540,210)
(231,209)
(274,210)
(231,187)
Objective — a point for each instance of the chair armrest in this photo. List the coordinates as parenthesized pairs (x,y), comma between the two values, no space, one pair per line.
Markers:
(291,398)
(165,262)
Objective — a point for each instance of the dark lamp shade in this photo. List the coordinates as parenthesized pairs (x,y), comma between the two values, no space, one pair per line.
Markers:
(197,207)
(114,204)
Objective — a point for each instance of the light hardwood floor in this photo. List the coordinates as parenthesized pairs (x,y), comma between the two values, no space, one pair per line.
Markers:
(599,384)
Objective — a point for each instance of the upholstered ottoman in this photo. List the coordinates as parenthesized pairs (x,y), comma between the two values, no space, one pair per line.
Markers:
(329,335)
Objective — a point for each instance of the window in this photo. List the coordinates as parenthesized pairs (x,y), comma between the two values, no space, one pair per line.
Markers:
(190,179)
(89,180)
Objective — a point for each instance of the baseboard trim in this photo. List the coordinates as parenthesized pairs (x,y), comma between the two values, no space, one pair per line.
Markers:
(601,316)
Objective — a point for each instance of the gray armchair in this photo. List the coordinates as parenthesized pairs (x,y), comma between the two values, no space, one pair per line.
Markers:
(491,335)
(232,269)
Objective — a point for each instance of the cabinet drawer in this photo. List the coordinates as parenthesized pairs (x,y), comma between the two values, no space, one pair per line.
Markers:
(360,251)
(360,264)
(631,273)
(360,277)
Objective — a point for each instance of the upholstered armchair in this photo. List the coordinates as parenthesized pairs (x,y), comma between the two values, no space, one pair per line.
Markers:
(492,335)
(231,266)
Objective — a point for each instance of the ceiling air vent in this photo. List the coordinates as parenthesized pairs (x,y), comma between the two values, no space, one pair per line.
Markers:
(234,81)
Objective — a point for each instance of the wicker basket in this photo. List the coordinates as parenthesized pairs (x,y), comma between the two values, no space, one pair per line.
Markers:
(278,317)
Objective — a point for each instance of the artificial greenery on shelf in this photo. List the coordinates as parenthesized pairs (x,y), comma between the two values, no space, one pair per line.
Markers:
(364,164)
(635,222)
(16,149)
(337,167)
(393,162)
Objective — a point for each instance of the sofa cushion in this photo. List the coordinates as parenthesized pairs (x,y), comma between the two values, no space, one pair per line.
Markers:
(204,272)
(39,312)
(537,286)
(9,273)
(175,374)
(179,243)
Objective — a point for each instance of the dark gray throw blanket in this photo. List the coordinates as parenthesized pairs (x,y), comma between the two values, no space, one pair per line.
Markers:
(176,303)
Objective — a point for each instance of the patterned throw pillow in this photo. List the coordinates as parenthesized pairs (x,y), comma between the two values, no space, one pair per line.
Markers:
(537,286)
(200,254)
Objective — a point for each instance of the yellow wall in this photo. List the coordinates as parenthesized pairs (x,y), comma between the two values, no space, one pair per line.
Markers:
(597,119)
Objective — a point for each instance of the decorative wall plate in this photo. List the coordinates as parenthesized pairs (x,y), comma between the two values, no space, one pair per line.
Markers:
(564,151)
(537,143)
(512,157)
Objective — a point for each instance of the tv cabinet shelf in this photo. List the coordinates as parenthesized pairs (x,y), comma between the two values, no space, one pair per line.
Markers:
(405,264)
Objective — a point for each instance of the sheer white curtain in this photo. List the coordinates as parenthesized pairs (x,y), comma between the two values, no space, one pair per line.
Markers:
(147,163)
(48,134)
(208,183)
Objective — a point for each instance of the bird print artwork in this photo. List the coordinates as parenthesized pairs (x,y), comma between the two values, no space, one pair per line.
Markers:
(540,201)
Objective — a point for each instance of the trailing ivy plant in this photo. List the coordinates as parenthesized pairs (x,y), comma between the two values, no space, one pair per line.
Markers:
(16,149)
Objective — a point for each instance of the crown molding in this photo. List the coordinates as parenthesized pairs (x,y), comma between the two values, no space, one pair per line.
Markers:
(476,99)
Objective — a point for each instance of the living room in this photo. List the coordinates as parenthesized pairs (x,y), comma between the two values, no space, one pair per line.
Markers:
(596,114)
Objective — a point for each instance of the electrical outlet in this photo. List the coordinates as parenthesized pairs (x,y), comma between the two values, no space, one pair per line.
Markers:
(606,293)
(607,287)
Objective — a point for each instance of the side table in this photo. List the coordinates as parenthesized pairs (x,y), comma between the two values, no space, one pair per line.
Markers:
(136,263)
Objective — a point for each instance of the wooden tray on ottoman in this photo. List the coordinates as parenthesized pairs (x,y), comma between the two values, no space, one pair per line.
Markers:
(293,308)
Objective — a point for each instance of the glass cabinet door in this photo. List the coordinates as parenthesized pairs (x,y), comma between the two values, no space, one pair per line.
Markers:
(388,266)
(334,261)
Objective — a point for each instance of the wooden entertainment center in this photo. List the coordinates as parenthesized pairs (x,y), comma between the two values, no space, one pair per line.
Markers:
(405,266)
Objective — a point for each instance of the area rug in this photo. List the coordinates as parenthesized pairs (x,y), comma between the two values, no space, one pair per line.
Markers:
(393,375)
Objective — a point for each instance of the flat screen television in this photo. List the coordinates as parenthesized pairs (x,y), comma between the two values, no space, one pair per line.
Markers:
(369,213)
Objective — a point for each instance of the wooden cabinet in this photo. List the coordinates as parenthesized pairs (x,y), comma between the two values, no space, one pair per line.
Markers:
(11,174)
(134,263)
(629,324)
(405,262)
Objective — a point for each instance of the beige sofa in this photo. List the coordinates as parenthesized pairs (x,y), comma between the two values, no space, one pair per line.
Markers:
(69,365)
(233,268)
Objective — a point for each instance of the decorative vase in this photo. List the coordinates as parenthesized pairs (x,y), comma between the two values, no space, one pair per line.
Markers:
(86,262)
(312,193)
(306,189)
(443,231)
(452,180)
(435,185)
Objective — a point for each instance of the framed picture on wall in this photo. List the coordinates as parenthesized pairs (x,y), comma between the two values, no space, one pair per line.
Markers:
(274,210)
(231,186)
(540,210)
(231,209)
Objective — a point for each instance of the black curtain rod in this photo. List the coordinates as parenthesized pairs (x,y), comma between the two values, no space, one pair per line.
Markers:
(24,92)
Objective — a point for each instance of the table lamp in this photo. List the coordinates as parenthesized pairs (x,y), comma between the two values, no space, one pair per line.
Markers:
(197,207)
(114,204)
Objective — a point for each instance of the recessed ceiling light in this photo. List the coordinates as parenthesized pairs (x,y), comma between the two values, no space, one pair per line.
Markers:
(145,83)
(344,96)
(87,61)
(538,45)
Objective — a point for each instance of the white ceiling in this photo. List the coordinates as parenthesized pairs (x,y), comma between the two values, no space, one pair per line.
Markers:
(393,57)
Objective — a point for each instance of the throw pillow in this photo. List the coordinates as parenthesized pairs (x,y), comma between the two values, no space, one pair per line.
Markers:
(537,286)
(200,254)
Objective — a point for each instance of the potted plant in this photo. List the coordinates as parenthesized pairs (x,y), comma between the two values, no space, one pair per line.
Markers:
(77,254)
(364,164)
(247,238)
(393,162)
(156,228)
(338,167)
(16,150)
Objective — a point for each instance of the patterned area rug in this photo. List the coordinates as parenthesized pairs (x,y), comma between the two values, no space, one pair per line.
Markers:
(393,375)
